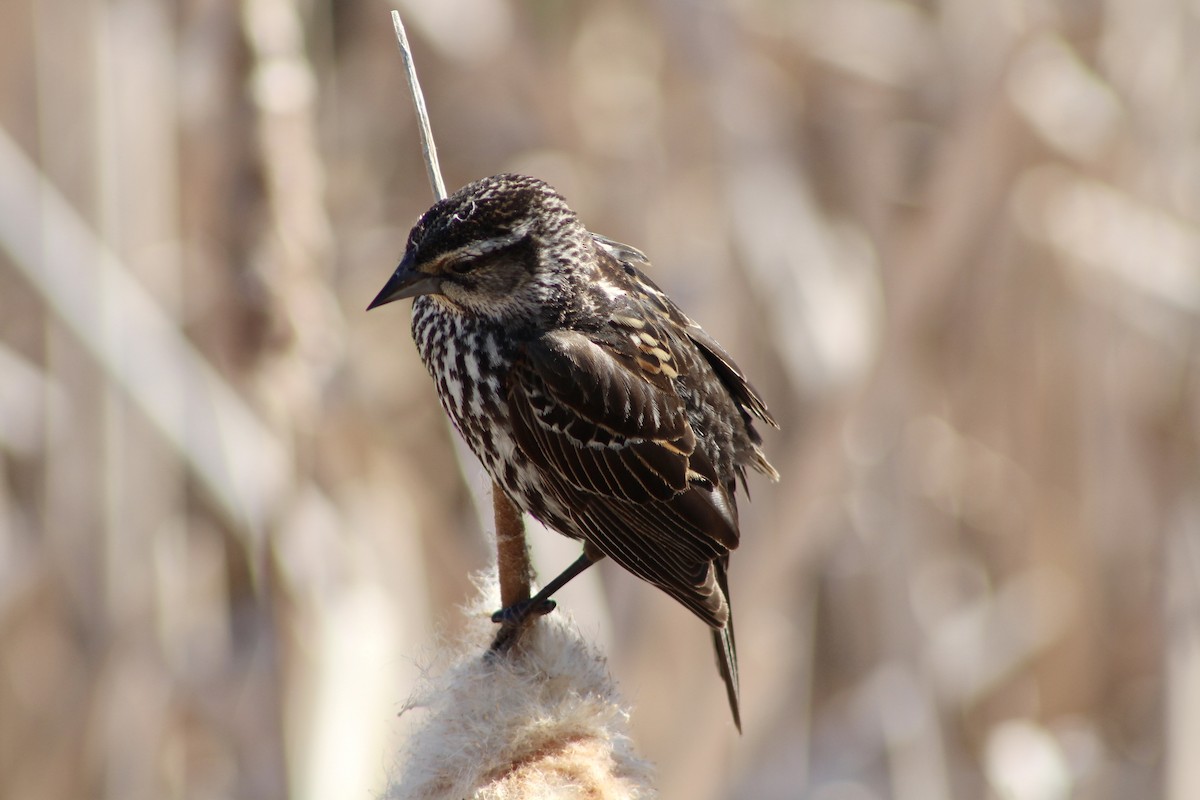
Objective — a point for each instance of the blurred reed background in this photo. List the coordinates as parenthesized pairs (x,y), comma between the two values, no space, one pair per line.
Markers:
(955,244)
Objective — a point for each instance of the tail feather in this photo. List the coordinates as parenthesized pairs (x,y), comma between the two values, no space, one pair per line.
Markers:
(726,647)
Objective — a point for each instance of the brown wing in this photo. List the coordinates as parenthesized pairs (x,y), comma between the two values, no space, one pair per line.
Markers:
(614,430)
(730,374)
(612,440)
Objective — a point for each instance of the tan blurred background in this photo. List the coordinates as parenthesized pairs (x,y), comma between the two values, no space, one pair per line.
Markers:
(955,244)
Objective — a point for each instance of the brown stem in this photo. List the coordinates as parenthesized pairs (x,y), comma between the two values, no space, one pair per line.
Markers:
(512,556)
(512,562)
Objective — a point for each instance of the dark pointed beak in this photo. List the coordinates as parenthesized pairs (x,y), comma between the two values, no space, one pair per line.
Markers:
(406,281)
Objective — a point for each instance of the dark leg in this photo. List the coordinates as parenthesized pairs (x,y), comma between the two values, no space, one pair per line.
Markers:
(541,603)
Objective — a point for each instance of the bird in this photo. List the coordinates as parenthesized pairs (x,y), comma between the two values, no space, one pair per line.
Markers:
(591,399)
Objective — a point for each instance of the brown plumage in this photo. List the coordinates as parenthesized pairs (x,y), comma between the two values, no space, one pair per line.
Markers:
(590,398)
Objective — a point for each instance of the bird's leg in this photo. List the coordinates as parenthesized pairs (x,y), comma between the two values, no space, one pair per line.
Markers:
(541,603)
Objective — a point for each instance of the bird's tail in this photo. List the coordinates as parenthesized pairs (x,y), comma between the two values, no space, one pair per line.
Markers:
(726,647)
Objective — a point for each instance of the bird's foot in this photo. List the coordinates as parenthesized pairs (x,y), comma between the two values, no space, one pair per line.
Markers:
(518,612)
(513,621)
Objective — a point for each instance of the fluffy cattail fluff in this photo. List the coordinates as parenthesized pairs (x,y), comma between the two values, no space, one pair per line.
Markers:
(542,721)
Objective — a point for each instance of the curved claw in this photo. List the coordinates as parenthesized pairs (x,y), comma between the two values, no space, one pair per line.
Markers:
(516,614)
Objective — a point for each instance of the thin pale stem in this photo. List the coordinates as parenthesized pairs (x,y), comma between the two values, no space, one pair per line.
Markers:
(428,148)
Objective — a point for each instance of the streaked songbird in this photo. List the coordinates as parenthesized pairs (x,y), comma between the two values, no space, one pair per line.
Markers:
(591,399)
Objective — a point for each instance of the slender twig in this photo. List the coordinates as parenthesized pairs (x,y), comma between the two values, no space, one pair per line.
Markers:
(512,554)
(428,148)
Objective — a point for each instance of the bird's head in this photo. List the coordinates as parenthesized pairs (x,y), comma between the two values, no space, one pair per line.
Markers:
(506,247)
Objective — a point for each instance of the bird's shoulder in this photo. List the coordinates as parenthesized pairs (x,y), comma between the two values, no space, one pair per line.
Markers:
(598,401)
(605,378)
(648,305)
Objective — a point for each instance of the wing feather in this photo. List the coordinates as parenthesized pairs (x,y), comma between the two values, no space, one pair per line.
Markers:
(586,412)
(617,440)
(729,373)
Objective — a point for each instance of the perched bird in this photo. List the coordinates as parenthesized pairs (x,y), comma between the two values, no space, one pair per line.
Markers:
(590,398)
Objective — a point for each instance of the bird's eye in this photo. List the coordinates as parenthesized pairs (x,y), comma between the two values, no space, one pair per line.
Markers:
(462,265)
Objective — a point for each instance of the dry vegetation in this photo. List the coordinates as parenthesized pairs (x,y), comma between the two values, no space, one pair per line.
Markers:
(955,242)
